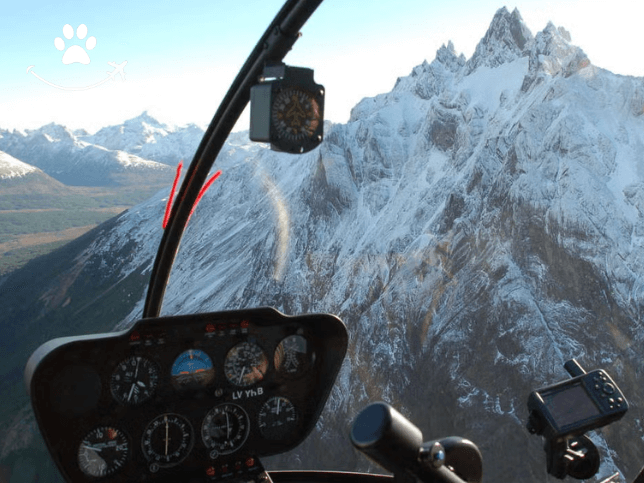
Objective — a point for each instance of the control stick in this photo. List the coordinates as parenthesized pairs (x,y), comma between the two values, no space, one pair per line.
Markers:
(392,441)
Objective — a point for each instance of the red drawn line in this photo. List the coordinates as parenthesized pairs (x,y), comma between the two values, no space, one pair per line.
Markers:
(168,206)
(203,191)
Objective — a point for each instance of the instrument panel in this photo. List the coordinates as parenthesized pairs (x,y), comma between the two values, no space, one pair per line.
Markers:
(197,397)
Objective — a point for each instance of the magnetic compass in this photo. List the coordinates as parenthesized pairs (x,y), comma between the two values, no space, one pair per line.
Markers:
(295,114)
(287,109)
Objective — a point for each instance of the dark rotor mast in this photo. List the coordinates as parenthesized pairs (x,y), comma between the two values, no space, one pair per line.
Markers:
(276,42)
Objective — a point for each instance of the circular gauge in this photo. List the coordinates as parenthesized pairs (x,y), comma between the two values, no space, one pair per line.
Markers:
(277,418)
(102,452)
(225,429)
(167,440)
(134,380)
(292,356)
(192,367)
(296,114)
(245,364)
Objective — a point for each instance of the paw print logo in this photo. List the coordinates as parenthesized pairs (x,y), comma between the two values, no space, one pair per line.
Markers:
(75,53)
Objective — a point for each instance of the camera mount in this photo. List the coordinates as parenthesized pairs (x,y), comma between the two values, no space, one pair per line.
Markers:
(564,412)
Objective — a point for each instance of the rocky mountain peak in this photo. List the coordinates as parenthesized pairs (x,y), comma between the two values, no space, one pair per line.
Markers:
(54,133)
(447,56)
(505,40)
(143,119)
(551,53)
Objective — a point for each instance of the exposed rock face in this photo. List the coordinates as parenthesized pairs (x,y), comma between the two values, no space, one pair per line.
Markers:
(504,41)
(475,228)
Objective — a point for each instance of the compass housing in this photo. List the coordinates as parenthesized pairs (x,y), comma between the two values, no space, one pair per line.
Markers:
(287,109)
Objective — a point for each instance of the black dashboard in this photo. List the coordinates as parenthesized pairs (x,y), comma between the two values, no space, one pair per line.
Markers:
(185,398)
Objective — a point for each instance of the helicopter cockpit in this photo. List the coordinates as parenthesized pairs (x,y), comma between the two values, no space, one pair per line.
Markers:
(203,397)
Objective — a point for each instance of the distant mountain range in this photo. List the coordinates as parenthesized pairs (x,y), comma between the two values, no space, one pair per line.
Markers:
(141,150)
(475,227)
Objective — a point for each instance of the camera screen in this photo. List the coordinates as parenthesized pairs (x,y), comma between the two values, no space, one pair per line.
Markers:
(570,405)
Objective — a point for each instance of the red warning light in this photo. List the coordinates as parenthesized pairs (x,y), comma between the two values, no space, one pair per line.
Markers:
(112,433)
(135,336)
(221,327)
(210,328)
(250,462)
(211,471)
(245,324)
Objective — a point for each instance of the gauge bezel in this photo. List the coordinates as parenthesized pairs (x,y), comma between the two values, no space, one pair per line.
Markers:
(237,440)
(279,361)
(273,432)
(115,465)
(153,373)
(194,379)
(257,370)
(177,456)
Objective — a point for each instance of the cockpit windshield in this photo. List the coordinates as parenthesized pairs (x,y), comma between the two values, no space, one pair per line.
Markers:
(474,215)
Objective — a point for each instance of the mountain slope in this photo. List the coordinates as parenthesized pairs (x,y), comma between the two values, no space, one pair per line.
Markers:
(475,228)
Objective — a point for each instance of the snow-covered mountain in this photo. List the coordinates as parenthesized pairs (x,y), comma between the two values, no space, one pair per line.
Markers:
(11,167)
(475,228)
(76,158)
(146,137)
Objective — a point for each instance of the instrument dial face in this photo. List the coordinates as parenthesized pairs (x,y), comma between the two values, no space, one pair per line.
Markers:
(246,364)
(225,429)
(167,440)
(192,368)
(134,380)
(293,356)
(102,452)
(296,114)
(277,418)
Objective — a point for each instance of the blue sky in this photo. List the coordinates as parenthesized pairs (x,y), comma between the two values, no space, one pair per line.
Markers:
(181,57)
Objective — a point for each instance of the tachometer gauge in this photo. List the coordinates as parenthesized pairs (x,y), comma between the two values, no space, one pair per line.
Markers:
(293,356)
(245,364)
(167,440)
(277,418)
(134,380)
(225,429)
(102,452)
(192,367)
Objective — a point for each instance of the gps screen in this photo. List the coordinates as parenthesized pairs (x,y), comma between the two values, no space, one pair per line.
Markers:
(569,405)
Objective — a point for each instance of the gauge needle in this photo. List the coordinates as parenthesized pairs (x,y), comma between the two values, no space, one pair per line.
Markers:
(227,427)
(136,371)
(93,448)
(278,406)
(241,375)
(129,396)
(166,436)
